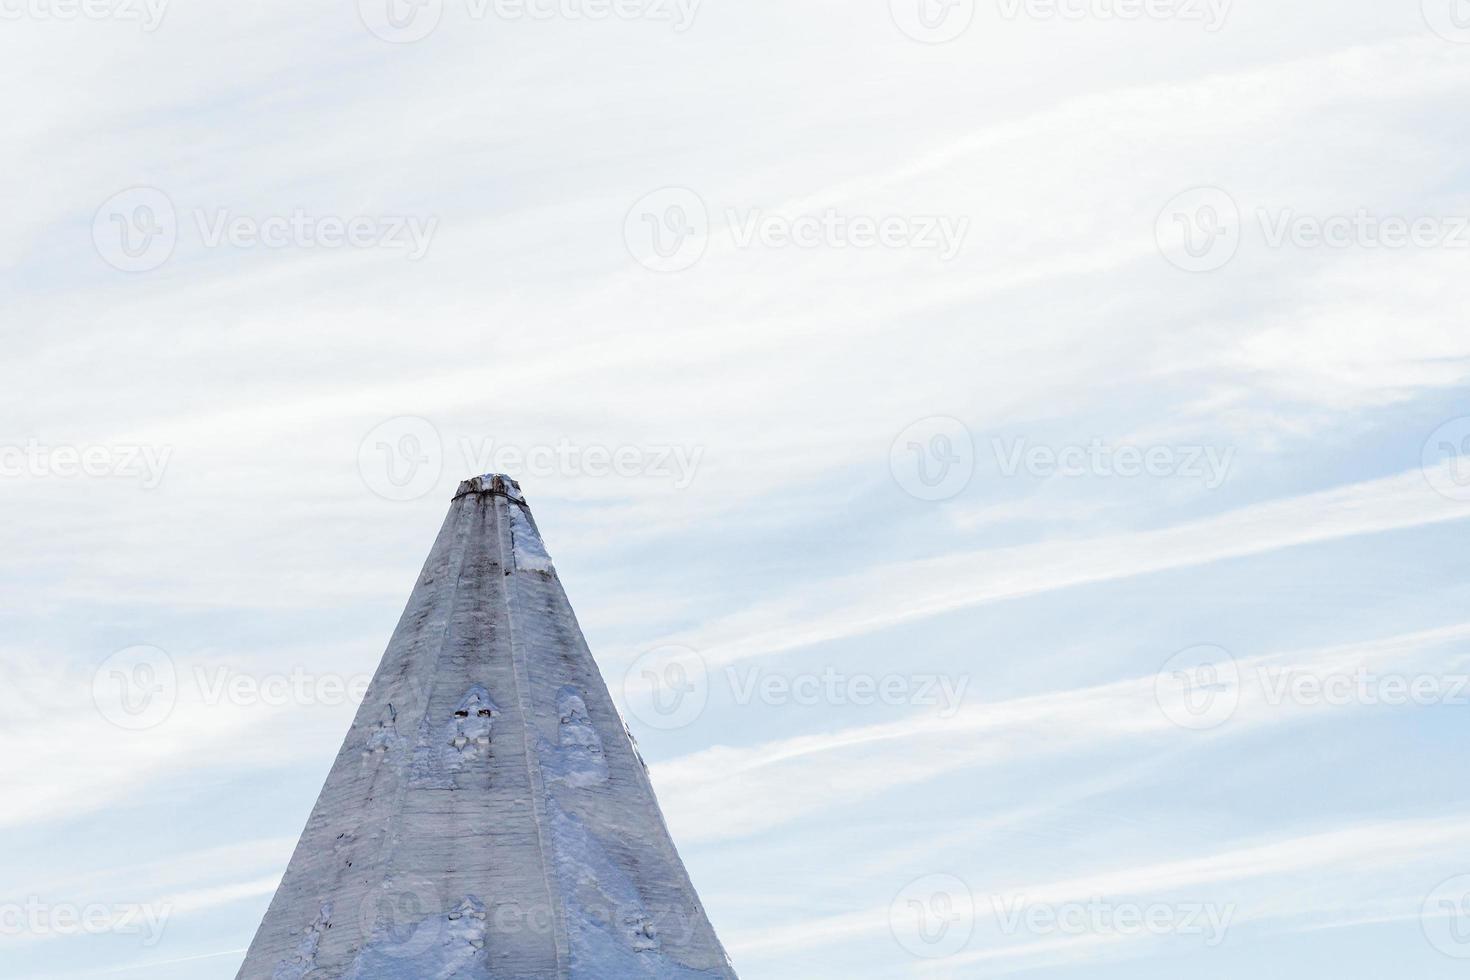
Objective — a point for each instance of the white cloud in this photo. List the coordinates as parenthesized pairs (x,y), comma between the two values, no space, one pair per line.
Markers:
(1284,863)
(726,792)
(898,592)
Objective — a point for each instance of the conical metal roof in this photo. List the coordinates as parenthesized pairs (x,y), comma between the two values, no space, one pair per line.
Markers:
(488,816)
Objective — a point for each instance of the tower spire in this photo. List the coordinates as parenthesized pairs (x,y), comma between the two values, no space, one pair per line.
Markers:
(488,817)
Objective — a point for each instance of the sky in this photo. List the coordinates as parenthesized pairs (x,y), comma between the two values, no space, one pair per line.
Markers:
(1008,457)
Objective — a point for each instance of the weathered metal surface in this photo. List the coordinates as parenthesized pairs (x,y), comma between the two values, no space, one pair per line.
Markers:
(487,817)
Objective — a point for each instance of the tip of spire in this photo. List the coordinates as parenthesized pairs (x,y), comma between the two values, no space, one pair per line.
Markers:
(496,483)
